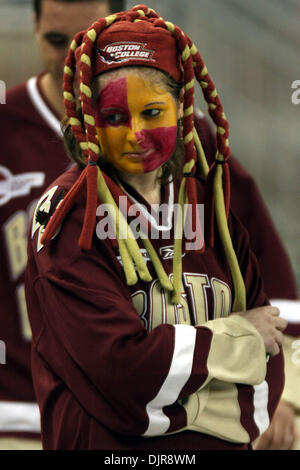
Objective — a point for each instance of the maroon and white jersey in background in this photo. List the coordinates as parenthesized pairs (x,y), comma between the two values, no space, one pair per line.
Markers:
(31,156)
(121,367)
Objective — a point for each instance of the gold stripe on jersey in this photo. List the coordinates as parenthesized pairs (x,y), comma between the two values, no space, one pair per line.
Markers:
(218,412)
(20,443)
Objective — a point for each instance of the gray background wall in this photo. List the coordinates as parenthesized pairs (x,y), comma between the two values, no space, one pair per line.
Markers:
(252,51)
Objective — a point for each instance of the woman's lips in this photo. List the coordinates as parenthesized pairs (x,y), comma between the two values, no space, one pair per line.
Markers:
(138,155)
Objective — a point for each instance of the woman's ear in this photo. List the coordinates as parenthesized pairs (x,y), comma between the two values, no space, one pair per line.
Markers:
(181,95)
(180,104)
(180,111)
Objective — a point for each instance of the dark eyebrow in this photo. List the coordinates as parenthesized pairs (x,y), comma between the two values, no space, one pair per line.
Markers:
(154,102)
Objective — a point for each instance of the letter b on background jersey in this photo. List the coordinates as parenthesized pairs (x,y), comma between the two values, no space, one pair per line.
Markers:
(2,92)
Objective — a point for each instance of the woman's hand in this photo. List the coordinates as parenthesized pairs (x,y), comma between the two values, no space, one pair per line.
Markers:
(282,433)
(270,326)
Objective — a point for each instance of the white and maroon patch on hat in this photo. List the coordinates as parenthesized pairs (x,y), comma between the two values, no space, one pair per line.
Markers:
(117,52)
(141,43)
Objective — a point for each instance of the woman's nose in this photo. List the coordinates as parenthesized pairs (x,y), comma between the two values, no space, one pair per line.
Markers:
(134,132)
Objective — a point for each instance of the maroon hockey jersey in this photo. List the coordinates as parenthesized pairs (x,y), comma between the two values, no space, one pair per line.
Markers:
(32,155)
(119,367)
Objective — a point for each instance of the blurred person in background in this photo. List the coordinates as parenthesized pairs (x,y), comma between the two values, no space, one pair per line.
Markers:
(30,135)
(35,109)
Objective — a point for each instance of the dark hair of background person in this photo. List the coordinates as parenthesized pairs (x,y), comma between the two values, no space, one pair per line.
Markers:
(114,5)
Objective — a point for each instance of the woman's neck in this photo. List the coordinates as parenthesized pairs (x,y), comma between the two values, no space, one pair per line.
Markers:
(146,184)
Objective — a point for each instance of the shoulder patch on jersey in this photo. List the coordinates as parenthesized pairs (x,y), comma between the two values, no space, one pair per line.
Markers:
(42,217)
(43,212)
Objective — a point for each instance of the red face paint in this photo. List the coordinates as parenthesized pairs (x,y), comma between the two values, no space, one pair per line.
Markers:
(112,99)
(160,143)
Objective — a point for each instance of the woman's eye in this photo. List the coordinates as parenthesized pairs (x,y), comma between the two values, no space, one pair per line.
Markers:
(116,118)
(57,40)
(152,112)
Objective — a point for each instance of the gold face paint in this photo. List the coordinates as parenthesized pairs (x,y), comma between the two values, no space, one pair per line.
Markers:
(136,123)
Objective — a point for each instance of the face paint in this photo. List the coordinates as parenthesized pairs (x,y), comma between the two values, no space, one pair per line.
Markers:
(136,124)
(159,144)
(112,99)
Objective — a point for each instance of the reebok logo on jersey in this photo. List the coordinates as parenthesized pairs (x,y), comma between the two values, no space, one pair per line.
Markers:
(12,186)
(124,51)
(167,252)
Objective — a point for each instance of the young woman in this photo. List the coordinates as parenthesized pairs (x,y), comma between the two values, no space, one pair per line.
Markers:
(146,335)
